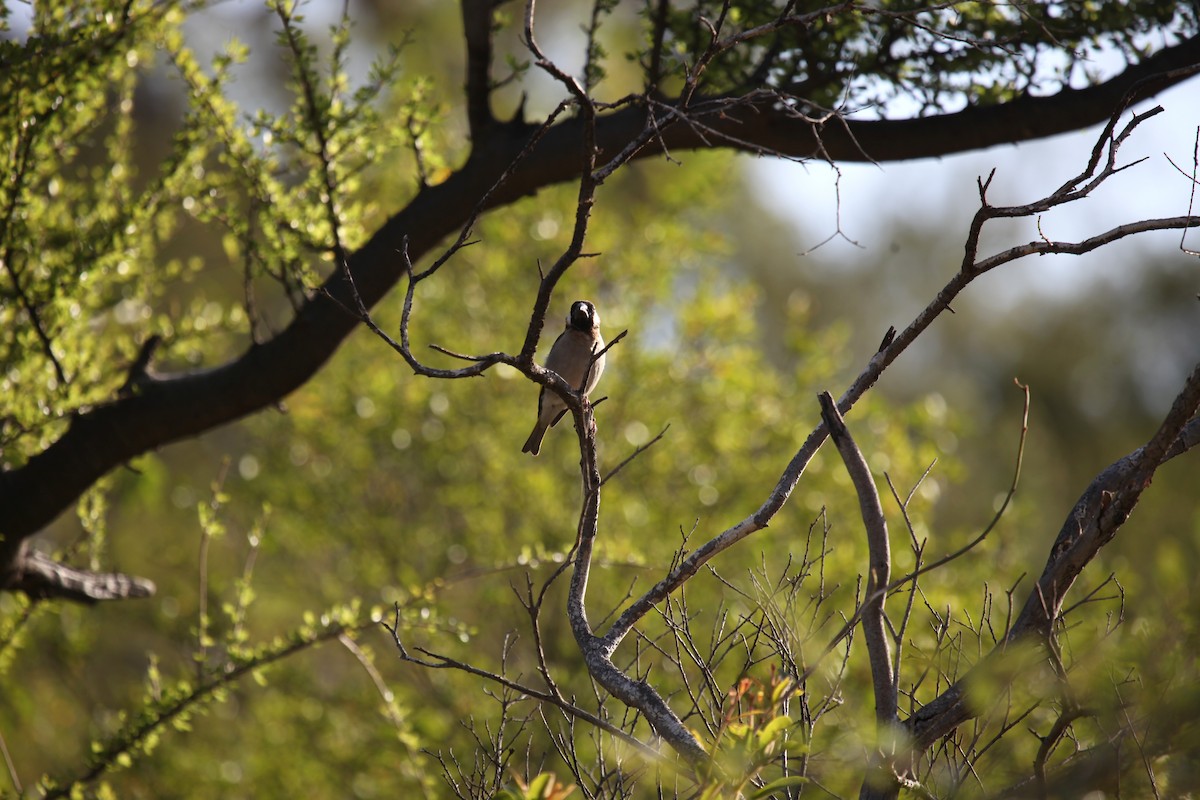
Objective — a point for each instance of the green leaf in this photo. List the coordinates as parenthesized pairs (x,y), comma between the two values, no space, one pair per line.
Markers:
(779,785)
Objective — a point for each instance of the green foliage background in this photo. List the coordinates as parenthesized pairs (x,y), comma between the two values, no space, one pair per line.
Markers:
(373,485)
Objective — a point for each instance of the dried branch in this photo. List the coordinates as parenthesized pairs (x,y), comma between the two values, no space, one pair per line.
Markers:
(438,661)
(612,473)
(1192,193)
(596,651)
(873,616)
(882,359)
(879,783)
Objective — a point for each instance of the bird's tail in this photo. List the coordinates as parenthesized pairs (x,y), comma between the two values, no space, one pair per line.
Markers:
(533,445)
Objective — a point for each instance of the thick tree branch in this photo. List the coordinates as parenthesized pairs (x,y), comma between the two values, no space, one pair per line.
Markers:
(174,407)
(477,31)
(596,651)
(1093,522)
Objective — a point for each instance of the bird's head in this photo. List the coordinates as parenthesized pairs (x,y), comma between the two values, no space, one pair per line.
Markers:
(583,317)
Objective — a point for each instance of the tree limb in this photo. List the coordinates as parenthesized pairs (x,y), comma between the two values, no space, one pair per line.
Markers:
(170,408)
(879,575)
(477,31)
(878,782)
(42,578)
(1093,522)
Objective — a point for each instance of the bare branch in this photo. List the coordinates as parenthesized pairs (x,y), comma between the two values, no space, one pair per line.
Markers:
(888,353)
(1192,193)
(41,577)
(636,452)
(438,661)
(873,616)
(1043,247)
(597,652)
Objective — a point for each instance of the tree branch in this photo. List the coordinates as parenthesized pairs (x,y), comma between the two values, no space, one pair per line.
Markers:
(43,578)
(477,31)
(890,349)
(1093,522)
(169,408)
(879,782)
(879,575)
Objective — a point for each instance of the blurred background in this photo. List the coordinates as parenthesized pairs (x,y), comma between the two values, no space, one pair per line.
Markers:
(747,286)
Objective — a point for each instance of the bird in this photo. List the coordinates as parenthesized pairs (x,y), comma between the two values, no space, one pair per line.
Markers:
(571,356)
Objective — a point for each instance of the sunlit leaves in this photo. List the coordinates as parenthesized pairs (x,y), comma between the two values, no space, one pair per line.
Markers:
(73,215)
(88,233)
(756,729)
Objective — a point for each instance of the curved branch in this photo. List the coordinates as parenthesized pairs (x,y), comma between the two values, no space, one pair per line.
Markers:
(597,651)
(879,782)
(873,621)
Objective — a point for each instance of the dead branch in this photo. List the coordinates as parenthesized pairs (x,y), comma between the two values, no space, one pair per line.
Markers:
(434,660)
(879,574)
(878,783)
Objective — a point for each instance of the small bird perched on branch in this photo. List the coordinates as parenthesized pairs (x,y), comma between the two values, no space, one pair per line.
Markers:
(571,356)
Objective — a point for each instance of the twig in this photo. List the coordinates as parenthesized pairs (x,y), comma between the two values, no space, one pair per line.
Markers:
(1012,490)
(12,768)
(445,662)
(637,452)
(1191,194)
(385,693)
